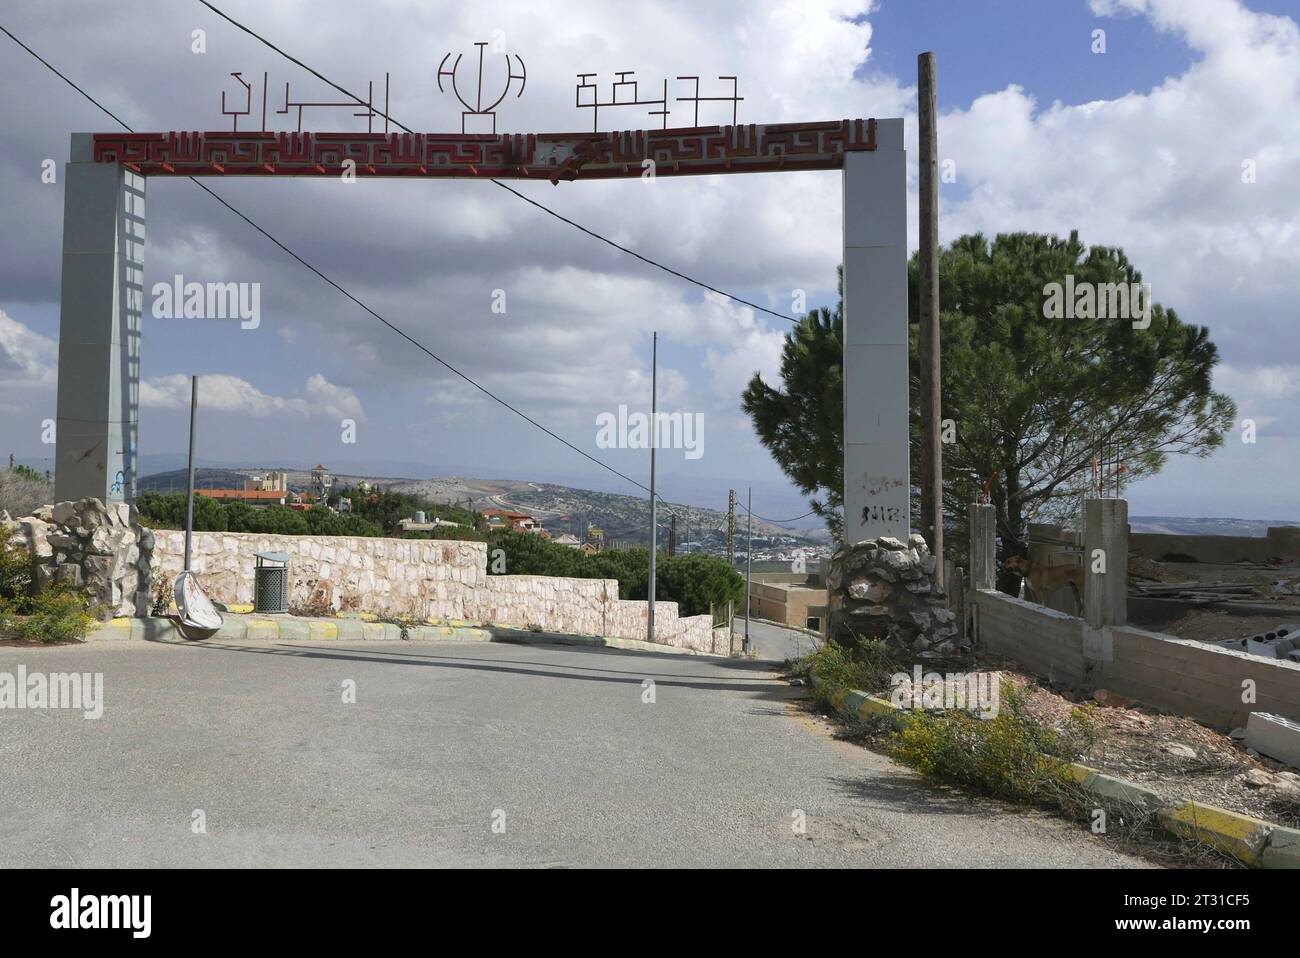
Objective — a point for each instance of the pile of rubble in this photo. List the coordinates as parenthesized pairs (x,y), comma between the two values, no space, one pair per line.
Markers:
(885,589)
(96,548)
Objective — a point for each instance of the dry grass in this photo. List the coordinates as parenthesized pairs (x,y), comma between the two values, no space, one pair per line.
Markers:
(21,495)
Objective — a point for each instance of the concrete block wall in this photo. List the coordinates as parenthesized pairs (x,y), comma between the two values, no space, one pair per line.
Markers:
(1217,686)
(1044,641)
(1279,541)
(1203,682)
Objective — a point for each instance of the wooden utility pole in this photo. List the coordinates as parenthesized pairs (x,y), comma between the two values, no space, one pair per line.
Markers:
(928,309)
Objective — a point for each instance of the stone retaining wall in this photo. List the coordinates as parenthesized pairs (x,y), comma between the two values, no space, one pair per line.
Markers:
(425,578)
(404,577)
(98,549)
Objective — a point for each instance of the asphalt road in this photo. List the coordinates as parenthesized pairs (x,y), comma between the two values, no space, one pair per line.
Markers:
(772,642)
(554,742)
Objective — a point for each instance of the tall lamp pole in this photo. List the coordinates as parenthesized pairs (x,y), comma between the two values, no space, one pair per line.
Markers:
(749,562)
(654,441)
(189,484)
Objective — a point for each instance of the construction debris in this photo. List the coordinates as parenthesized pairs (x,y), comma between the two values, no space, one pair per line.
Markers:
(1197,592)
(1280,642)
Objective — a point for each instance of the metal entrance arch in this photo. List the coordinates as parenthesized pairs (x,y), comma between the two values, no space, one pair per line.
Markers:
(102,298)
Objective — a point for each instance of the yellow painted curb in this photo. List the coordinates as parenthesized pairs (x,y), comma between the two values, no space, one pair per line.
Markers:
(872,706)
(320,631)
(1079,773)
(1240,836)
(120,625)
(239,608)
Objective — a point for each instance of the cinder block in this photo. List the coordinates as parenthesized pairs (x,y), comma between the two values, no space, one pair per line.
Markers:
(1274,736)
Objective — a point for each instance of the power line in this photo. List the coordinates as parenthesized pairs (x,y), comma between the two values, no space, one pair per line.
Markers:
(779,521)
(509,189)
(317,272)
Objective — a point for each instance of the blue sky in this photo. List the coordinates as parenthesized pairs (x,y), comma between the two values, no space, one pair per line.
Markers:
(1137,147)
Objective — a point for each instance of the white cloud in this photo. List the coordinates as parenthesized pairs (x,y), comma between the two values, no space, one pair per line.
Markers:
(231,394)
(1261,383)
(1157,171)
(27,359)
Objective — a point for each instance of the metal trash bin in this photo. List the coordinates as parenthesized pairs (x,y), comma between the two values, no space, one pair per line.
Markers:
(271,582)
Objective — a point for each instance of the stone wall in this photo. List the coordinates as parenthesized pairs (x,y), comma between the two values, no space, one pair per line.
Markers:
(577,606)
(425,578)
(402,577)
(99,549)
(884,589)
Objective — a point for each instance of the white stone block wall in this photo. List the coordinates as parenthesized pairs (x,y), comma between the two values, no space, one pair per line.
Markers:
(577,606)
(412,577)
(428,578)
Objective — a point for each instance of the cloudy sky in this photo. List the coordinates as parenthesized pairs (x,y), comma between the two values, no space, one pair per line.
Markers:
(1140,146)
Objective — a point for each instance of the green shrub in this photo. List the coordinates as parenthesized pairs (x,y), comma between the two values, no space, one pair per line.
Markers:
(168,512)
(695,582)
(56,615)
(460,533)
(1012,756)
(17,567)
(834,667)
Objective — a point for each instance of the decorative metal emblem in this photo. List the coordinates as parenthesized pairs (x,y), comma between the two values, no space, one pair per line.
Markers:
(626,92)
(479,109)
(622,83)
(368,107)
(734,100)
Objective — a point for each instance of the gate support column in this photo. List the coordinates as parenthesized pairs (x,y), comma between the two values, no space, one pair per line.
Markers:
(876,461)
(101,300)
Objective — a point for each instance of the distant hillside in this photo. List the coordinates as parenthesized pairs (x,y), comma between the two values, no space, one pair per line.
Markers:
(560,508)
(1177,525)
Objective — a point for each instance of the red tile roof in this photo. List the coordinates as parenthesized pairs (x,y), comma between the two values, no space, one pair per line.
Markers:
(269,494)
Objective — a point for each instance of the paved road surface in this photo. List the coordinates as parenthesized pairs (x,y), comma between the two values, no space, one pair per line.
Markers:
(442,735)
(772,642)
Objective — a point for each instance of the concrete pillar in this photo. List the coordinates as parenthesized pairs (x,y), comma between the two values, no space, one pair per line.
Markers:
(876,464)
(101,301)
(1105,545)
(983,546)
